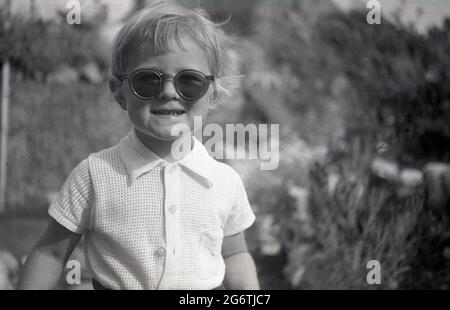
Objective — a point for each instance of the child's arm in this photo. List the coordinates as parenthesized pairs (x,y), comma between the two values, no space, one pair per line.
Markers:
(45,263)
(240,273)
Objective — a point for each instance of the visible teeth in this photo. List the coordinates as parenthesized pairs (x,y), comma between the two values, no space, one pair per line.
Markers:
(168,113)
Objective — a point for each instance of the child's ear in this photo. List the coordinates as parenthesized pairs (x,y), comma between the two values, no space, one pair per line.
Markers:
(115,86)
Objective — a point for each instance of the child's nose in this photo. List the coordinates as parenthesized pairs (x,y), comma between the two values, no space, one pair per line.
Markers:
(168,90)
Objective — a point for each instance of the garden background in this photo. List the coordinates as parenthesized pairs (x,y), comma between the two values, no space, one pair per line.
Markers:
(364,112)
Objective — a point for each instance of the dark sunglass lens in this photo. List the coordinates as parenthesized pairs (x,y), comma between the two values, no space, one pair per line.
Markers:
(146,83)
(192,85)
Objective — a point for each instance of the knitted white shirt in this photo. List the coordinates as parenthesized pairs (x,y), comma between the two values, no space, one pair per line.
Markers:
(149,224)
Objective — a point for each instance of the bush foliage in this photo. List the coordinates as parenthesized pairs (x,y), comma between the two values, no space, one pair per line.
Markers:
(402,81)
(50,121)
(378,85)
(48,136)
(37,47)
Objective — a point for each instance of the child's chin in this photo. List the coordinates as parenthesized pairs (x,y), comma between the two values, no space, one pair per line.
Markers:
(165,136)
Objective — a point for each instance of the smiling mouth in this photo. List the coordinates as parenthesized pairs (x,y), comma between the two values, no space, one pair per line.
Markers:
(169,112)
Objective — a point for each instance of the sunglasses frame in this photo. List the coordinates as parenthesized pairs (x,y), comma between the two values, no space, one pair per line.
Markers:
(164,77)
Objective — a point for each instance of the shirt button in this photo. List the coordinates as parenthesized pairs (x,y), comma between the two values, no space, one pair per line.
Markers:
(172,169)
(172,208)
(161,251)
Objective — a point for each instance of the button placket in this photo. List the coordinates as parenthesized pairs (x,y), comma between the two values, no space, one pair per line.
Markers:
(172,168)
(173,209)
(171,200)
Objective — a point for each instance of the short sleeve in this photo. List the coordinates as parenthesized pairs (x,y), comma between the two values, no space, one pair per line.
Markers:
(72,206)
(242,216)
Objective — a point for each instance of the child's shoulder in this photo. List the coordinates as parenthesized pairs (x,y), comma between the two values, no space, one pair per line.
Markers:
(107,153)
(224,171)
(109,156)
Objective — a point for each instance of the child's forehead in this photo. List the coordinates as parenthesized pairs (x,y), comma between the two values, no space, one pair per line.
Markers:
(143,51)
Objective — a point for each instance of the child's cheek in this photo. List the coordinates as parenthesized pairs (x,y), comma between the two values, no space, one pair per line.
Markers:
(201,108)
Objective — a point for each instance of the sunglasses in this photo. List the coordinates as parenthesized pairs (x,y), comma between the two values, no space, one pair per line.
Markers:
(146,84)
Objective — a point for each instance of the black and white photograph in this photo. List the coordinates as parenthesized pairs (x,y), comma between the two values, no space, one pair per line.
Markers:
(225,145)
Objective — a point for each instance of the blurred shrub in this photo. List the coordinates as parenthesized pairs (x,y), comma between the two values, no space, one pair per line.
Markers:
(401,79)
(386,84)
(381,88)
(353,224)
(53,127)
(296,66)
(37,47)
(329,222)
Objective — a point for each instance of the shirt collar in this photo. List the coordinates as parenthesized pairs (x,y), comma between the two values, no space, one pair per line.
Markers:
(139,159)
(199,161)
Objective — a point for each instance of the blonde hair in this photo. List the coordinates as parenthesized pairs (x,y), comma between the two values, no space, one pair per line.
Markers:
(164,22)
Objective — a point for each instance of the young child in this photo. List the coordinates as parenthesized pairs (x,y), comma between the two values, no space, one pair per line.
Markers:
(150,220)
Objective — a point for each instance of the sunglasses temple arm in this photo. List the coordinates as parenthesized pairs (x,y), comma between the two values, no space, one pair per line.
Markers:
(122,77)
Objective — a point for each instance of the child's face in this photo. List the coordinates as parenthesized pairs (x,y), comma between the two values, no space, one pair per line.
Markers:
(150,117)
